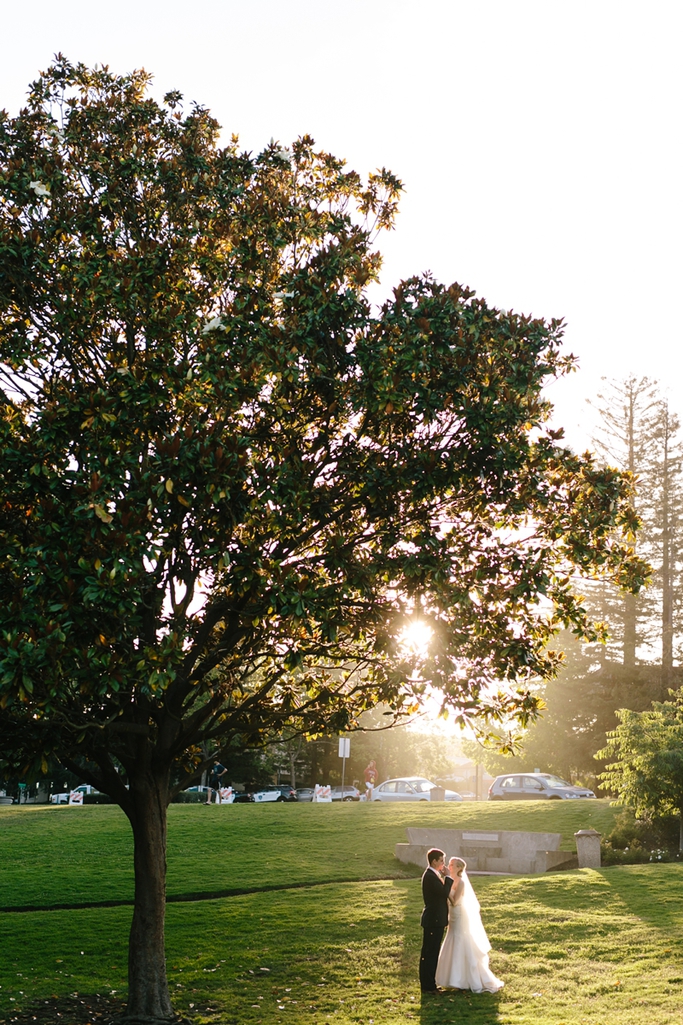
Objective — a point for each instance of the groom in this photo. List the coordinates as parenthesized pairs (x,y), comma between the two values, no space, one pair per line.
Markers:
(436,885)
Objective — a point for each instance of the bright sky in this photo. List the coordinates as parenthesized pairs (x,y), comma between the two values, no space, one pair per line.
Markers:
(539,140)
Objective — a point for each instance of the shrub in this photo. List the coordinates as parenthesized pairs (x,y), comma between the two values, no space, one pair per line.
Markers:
(638,841)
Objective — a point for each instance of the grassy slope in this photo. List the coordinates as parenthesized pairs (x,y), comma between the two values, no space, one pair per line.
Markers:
(75,855)
(573,948)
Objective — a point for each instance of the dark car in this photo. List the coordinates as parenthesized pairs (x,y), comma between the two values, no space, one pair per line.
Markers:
(287,793)
(304,793)
(346,793)
(535,786)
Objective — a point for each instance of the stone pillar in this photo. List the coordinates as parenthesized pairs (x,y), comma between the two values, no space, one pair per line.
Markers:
(588,848)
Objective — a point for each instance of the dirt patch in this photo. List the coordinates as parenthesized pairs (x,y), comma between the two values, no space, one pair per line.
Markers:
(81,1010)
(86,1010)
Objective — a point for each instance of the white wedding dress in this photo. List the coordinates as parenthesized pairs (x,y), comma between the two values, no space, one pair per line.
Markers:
(464,957)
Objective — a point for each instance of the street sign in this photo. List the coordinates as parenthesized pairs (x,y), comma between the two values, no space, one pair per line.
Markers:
(344,752)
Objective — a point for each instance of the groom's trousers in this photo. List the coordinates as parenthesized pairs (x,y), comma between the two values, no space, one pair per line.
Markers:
(431,945)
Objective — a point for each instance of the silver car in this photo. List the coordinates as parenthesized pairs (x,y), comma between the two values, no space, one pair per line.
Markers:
(535,786)
(409,788)
(347,793)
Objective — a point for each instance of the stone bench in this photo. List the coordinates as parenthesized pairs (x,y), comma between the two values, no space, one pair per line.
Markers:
(504,851)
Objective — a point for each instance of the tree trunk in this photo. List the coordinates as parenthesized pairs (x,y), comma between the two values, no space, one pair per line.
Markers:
(630,631)
(667,611)
(149,1000)
(667,576)
(680,828)
(630,607)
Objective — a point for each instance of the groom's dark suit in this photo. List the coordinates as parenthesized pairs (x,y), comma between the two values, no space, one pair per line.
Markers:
(434,920)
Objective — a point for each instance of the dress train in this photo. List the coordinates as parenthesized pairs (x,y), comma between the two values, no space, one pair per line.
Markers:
(464,957)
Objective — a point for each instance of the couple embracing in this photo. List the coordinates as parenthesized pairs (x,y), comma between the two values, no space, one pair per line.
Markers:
(463,961)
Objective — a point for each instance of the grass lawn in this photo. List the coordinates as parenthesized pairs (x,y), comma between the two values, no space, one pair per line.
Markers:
(71,855)
(599,947)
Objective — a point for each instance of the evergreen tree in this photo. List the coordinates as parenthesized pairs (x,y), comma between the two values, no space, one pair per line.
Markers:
(661,509)
(638,433)
(627,412)
(580,709)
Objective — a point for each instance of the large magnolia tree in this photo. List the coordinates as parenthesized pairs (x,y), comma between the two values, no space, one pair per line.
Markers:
(227,485)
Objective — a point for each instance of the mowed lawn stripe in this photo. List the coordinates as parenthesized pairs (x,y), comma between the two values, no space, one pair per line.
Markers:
(184,897)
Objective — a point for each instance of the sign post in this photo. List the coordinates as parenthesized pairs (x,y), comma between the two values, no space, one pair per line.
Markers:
(344,752)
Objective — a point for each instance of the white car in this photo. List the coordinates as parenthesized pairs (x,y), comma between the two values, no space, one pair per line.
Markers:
(409,788)
(84,788)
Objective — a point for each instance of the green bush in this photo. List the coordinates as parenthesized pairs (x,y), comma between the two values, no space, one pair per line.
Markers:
(636,841)
(634,855)
(97,799)
(186,797)
(666,855)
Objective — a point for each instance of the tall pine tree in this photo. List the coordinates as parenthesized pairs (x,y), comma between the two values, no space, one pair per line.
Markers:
(637,664)
(627,421)
(662,513)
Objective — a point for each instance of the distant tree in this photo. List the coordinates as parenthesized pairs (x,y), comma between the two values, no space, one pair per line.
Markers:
(647,748)
(226,485)
(404,750)
(627,412)
(563,738)
(581,705)
(287,756)
(662,514)
(245,765)
(639,433)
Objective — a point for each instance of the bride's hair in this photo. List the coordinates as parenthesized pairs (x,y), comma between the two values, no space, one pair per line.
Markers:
(462,865)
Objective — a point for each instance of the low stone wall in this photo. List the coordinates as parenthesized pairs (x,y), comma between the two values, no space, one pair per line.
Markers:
(504,851)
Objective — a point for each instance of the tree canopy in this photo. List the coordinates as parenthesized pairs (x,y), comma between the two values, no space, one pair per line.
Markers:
(228,482)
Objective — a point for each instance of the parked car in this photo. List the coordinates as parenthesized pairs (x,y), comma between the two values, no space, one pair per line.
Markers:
(409,788)
(199,795)
(304,793)
(535,786)
(346,793)
(63,798)
(242,797)
(281,792)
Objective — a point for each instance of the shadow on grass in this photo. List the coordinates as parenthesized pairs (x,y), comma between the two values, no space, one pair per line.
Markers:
(89,1010)
(462,1007)
(652,892)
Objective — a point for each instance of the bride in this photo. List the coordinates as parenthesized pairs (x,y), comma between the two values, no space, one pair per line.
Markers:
(464,958)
